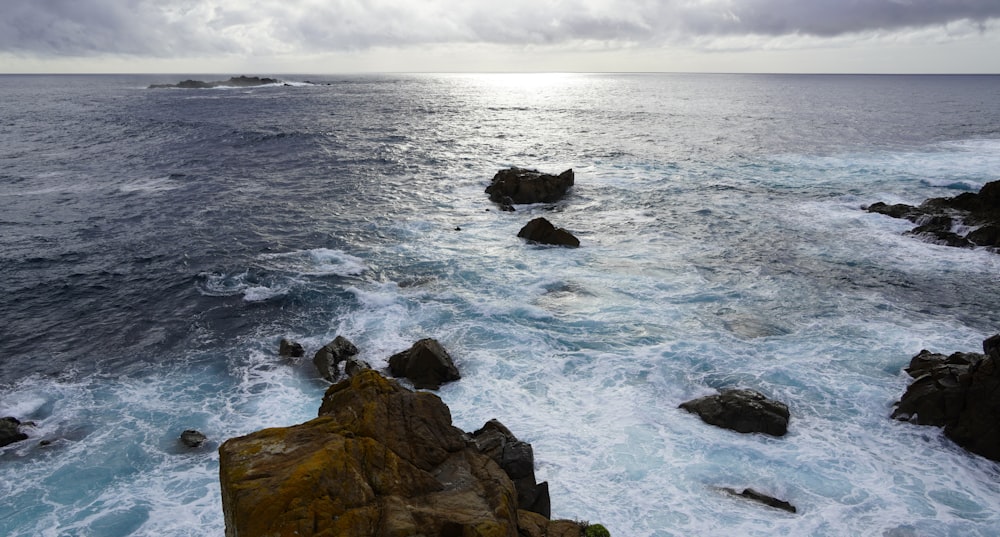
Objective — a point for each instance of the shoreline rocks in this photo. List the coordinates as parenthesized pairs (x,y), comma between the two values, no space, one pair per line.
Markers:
(964,221)
(960,392)
(743,411)
(379,460)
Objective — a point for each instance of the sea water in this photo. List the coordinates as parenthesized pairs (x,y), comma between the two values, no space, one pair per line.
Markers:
(157,244)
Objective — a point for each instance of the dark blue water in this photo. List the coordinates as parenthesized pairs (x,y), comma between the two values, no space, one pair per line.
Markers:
(156,245)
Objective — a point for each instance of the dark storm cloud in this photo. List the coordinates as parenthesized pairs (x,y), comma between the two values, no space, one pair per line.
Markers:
(177,28)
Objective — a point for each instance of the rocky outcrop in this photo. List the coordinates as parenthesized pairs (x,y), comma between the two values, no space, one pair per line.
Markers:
(961,393)
(519,186)
(426,364)
(744,411)
(542,231)
(380,460)
(328,359)
(517,460)
(969,219)
(236,82)
(10,431)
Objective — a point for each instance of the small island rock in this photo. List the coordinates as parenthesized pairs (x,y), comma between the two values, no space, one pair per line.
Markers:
(521,186)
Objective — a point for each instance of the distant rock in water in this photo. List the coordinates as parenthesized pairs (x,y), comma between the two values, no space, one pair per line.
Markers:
(521,186)
(542,231)
(380,460)
(426,364)
(961,393)
(967,220)
(10,431)
(744,411)
(236,81)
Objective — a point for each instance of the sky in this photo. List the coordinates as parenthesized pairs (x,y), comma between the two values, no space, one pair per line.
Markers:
(347,36)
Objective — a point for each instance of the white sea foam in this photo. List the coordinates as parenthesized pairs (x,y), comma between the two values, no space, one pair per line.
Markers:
(317,262)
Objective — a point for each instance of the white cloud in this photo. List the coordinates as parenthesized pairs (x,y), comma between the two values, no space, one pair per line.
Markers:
(172,29)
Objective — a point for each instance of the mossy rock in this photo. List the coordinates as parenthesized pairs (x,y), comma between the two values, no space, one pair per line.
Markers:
(596,530)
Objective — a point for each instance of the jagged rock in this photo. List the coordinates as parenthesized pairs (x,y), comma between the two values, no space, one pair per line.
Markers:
(520,185)
(899,210)
(960,392)
(236,81)
(517,459)
(942,220)
(192,438)
(10,431)
(353,366)
(765,499)
(744,411)
(542,231)
(329,357)
(380,460)
(426,364)
(290,349)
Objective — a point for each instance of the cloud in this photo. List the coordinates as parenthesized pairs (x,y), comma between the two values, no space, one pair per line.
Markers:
(185,28)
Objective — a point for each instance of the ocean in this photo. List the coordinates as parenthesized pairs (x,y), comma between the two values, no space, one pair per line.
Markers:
(156,245)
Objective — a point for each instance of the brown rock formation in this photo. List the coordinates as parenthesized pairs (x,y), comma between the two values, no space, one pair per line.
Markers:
(380,460)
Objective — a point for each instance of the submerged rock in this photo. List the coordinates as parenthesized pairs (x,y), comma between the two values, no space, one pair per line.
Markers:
(380,460)
(328,359)
(744,411)
(765,499)
(520,186)
(10,431)
(426,364)
(960,392)
(542,231)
